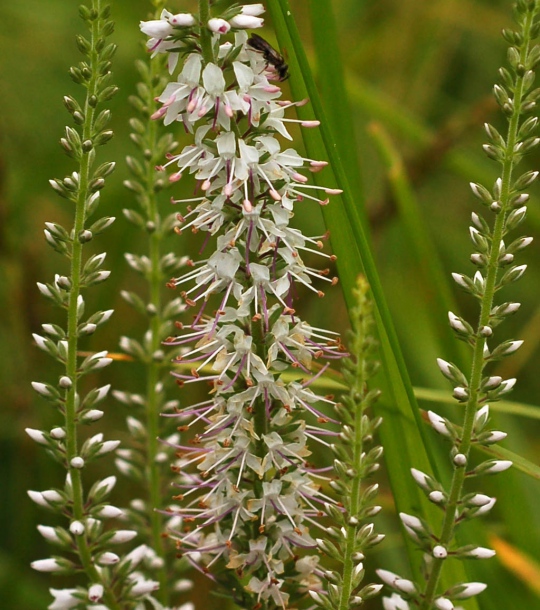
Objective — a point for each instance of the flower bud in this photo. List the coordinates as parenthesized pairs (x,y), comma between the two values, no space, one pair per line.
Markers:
(246,22)
(219,26)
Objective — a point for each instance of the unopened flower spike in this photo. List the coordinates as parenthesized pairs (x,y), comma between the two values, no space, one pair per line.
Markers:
(82,542)
(247,497)
(495,257)
(354,532)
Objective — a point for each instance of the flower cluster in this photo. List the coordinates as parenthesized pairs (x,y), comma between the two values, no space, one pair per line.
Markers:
(495,260)
(174,33)
(248,494)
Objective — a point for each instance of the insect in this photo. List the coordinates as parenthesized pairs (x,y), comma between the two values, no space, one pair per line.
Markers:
(273,58)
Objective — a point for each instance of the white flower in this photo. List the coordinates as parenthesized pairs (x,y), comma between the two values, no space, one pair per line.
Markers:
(46,565)
(185,94)
(436,497)
(443,603)
(439,552)
(37,435)
(121,536)
(135,556)
(182,585)
(92,415)
(95,592)
(161,35)
(219,26)
(182,20)
(49,533)
(245,21)
(497,466)
(485,508)
(156,28)
(108,558)
(106,485)
(467,590)
(481,552)
(395,602)
(438,423)
(460,460)
(253,9)
(107,447)
(412,522)
(64,599)
(77,462)
(76,528)
(479,500)
(110,512)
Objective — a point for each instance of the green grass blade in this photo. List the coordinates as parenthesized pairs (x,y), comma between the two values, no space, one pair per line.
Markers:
(331,79)
(436,280)
(503,406)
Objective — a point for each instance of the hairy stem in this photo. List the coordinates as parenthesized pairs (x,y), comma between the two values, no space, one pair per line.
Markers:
(358,448)
(206,35)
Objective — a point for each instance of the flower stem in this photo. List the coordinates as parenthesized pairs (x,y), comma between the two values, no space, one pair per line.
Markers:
(478,363)
(154,367)
(206,35)
(72,323)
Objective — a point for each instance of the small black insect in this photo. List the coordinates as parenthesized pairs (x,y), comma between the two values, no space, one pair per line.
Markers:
(273,58)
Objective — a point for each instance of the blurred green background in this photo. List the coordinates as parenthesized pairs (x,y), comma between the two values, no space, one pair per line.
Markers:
(423,69)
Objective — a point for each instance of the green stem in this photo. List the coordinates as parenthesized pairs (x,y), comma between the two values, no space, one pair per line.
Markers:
(478,364)
(72,445)
(206,35)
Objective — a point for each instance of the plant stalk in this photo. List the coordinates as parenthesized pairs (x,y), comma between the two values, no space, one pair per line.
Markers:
(206,35)
(477,368)
(72,445)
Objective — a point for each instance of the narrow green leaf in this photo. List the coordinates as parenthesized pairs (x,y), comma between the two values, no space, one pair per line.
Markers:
(437,285)
(331,78)
(503,406)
